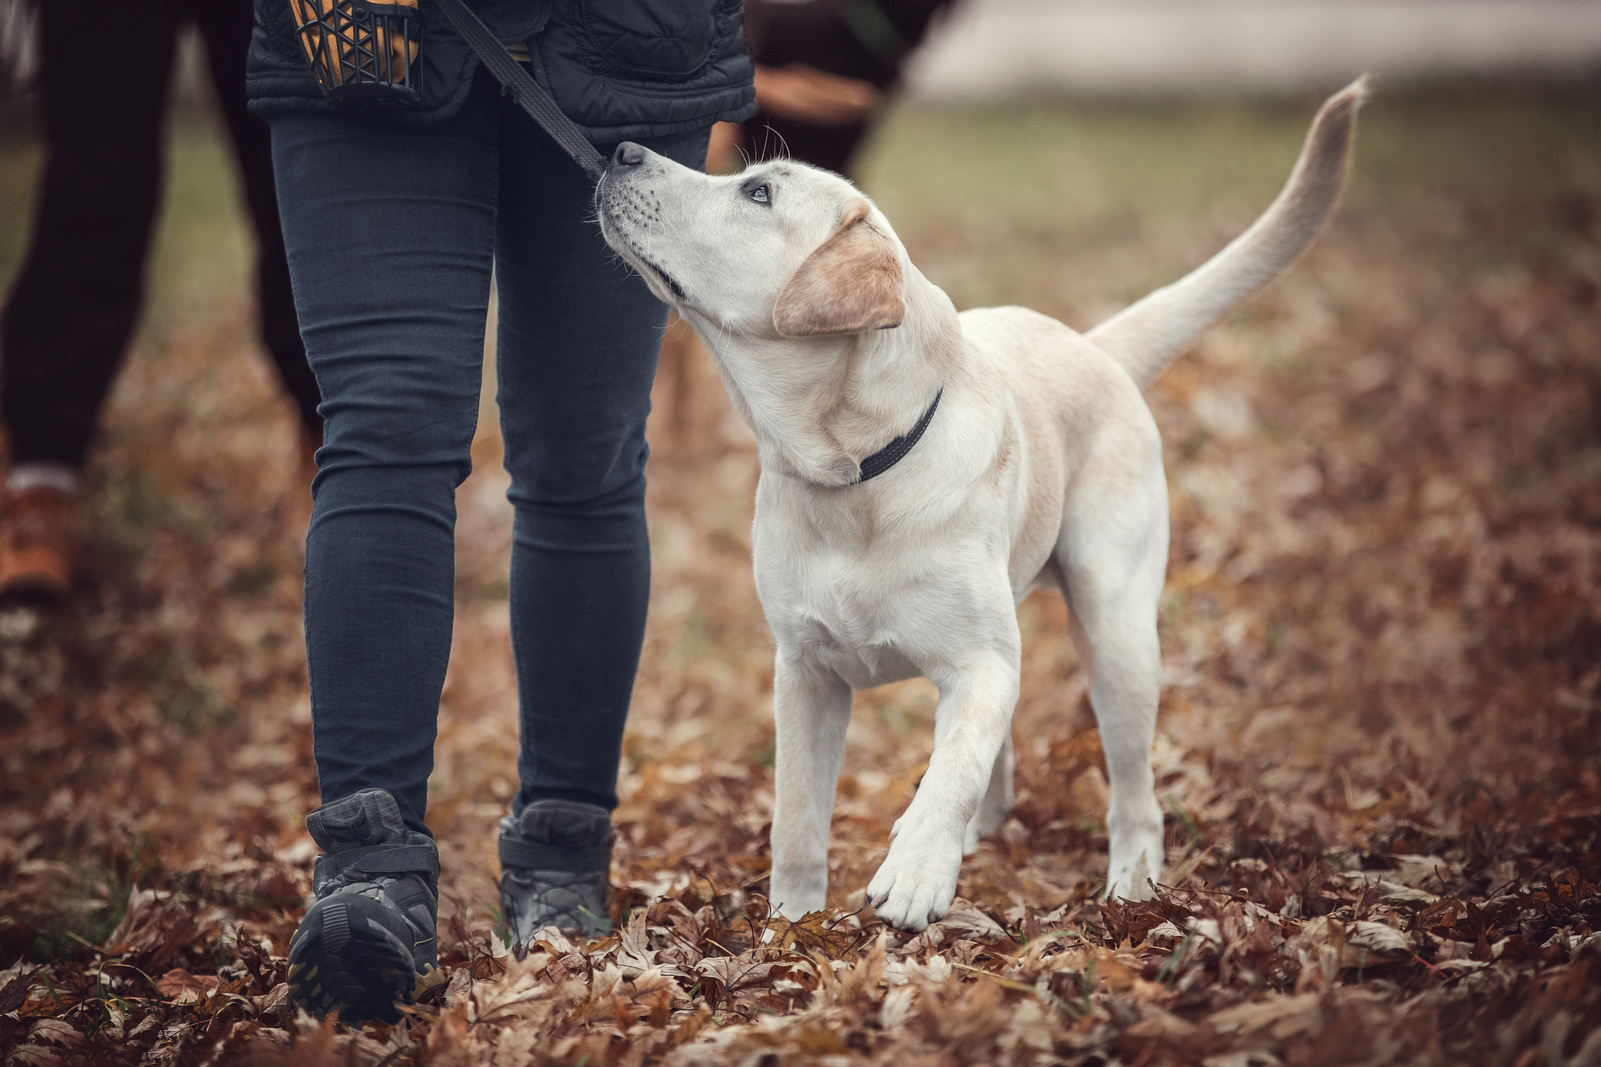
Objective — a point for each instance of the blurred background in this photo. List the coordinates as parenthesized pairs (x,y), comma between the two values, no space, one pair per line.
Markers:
(1382,630)
(991,47)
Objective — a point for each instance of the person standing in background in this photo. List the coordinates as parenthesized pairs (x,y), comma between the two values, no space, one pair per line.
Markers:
(822,69)
(72,311)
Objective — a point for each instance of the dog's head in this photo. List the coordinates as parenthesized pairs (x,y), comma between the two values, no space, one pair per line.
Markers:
(782,249)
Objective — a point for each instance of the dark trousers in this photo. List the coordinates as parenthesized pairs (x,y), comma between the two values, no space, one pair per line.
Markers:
(392,233)
(74,306)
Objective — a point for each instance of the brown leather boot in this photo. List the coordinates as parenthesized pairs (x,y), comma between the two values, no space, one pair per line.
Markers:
(38,545)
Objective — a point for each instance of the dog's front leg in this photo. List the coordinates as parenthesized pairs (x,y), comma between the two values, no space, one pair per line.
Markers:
(811,709)
(917,881)
(998,799)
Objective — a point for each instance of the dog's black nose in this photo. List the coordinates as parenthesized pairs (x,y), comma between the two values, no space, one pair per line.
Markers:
(628,154)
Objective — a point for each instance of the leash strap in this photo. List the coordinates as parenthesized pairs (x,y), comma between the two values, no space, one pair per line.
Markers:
(522,87)
(896,450)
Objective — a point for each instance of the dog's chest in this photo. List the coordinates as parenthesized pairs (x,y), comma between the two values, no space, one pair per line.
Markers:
(871,613)
(841,613)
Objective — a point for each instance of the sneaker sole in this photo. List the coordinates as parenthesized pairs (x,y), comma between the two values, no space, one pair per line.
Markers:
(342,962)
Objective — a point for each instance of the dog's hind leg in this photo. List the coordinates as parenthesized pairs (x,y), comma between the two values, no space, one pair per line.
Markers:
(1113,567)
(811,709)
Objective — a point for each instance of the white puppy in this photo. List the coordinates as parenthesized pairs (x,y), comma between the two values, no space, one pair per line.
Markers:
(1033,461)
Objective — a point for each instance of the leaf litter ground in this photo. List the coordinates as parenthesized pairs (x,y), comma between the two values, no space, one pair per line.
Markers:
(1382,637)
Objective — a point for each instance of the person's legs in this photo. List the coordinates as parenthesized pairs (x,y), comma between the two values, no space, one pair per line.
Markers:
(390,235)
(73,308)
(576,355)
(75,303)
(225,27)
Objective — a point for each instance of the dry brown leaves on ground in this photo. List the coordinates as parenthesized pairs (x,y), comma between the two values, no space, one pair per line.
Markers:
(1378,744)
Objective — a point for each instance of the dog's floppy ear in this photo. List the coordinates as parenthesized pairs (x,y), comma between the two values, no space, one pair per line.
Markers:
(851,283)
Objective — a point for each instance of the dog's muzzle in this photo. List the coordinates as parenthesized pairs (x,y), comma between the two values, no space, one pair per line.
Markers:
(624,205)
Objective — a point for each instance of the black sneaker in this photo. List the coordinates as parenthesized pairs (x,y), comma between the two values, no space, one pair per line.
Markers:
(368,940)
(555,859)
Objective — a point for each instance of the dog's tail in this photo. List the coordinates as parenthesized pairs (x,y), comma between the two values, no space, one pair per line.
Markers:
(1144,336)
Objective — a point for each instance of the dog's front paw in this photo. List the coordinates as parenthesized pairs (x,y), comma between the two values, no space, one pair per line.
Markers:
(917,882)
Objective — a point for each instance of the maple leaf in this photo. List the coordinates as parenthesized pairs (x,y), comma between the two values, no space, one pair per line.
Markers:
(821,932)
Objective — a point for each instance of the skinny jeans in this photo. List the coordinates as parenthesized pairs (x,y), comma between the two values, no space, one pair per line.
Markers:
(392,233)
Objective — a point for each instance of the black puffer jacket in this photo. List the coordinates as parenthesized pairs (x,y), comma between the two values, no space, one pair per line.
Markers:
(620,69)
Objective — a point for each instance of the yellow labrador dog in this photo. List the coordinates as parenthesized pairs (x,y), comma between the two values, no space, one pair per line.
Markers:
(922,471)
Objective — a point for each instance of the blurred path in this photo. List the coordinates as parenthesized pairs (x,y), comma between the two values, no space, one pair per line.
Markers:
(993,47)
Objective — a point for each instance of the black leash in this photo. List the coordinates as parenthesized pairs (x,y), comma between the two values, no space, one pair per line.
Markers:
(522,87)
(534,100)
(896,450)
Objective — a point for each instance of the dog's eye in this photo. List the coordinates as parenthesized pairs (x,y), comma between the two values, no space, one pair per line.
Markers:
(762,194)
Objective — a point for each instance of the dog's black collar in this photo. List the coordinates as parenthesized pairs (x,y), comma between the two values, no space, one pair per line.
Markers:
(896,450)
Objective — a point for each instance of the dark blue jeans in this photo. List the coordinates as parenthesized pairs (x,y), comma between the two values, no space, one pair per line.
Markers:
(392,233)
